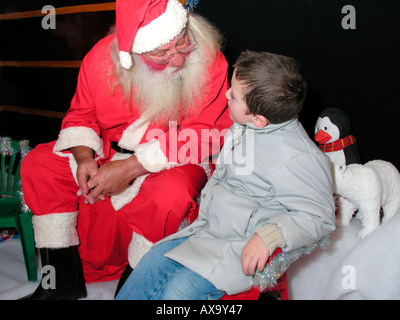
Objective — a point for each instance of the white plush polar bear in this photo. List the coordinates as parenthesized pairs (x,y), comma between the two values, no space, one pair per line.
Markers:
(367,188)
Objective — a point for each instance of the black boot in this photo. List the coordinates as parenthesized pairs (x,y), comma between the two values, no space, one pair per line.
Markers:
(125,275)
(64,277)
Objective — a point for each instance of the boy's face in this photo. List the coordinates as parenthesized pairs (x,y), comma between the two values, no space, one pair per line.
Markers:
(238,110)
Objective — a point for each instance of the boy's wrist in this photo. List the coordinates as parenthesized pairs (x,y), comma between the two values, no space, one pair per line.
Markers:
(272,237)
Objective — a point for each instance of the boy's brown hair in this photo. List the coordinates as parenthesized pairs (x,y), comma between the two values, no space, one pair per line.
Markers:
(275,85)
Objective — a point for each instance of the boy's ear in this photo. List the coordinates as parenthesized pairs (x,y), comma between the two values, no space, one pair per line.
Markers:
(260,121)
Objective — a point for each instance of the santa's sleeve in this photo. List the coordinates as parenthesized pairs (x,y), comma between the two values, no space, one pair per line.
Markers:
(197,138)
(80,126)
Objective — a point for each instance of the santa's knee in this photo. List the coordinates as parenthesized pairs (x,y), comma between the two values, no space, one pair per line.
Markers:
(47,182)
(34,160)
(183,183)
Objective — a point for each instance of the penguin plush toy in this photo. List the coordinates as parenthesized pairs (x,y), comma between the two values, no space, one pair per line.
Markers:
(333,133)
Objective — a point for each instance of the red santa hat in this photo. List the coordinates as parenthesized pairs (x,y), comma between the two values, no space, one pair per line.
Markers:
(144,25)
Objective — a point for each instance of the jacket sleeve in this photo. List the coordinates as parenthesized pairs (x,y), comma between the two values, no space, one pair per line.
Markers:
(199,136)
(80,125)
(303,186)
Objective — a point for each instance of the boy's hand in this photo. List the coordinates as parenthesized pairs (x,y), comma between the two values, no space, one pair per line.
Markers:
(255,254)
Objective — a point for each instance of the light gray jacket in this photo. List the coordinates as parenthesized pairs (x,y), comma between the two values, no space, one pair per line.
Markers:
(271,175)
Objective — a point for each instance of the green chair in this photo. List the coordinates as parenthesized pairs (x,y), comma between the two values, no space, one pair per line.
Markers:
(12,213)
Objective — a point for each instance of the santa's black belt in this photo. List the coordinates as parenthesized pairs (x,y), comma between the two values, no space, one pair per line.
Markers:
(117,148)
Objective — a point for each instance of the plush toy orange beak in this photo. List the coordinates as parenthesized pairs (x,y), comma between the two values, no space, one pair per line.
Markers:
(322,137)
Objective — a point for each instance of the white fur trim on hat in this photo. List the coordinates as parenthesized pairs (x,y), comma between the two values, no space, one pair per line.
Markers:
(56,230)
(161,30)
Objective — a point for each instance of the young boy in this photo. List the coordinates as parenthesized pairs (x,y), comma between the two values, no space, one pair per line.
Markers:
(271,188)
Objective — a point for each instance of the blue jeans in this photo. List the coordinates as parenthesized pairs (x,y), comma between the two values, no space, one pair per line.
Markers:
(158,278)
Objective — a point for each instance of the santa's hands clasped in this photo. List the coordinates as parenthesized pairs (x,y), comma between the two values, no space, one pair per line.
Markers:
(111,178)
(97,182)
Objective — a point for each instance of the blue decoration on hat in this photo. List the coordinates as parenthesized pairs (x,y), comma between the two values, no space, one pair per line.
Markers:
(191,4)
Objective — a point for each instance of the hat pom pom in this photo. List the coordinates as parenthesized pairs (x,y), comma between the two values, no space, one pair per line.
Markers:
(125,59)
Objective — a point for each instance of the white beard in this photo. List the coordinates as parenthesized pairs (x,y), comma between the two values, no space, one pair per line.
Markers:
(167,95)
(163,95)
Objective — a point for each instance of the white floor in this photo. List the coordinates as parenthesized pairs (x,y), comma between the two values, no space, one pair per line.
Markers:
(14,283)
(351,268)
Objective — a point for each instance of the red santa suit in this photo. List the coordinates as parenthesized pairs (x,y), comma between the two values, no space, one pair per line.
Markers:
(155,204)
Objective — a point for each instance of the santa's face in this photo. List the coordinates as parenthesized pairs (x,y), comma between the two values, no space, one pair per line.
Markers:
(169,86)
(172,54)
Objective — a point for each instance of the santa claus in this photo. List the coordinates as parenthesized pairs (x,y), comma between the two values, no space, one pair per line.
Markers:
(148,111)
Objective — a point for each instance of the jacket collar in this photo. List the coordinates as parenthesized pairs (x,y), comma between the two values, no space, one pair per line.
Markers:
(272,127)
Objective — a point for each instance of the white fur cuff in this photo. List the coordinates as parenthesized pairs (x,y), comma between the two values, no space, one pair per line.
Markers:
(151,156)
(79,136)
(121,199)
(56,230)
(138,247)
(133,134)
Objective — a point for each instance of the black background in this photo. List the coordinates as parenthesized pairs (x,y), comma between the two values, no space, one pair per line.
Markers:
(355,70)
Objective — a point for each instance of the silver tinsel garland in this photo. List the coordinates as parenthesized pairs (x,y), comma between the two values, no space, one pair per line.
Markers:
(5,146)
(280,263)
(7,150)
(24,208)
(23,149)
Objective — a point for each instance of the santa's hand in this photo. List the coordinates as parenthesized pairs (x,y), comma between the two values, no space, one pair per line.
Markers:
(86,168)
(89,198)
(114,177)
